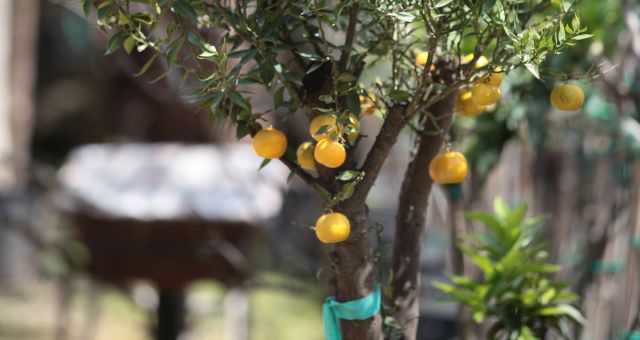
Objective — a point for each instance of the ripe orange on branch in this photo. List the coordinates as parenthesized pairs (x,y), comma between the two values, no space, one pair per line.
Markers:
(464,106)
(330,153)
(449,167)
(481,62)
(304,154)
(567,97)
(269,143)
(422,59)
(485,94)
(493,78)
(333,228)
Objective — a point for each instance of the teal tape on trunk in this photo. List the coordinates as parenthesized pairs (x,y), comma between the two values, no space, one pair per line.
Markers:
(633,335)
(607,267)
(454,191)
(360,309)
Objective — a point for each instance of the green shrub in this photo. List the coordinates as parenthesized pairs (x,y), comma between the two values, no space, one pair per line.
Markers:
(515,292)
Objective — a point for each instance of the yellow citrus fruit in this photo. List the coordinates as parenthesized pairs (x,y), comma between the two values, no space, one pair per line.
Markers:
(320,121)
(333,228)
(422,58)
(448,168)
(330,153)
(494,78)
(464,106)
(355,124)
(304,154)
(269,143)
(567,97)
(485,94)
(480,63)
(367,106)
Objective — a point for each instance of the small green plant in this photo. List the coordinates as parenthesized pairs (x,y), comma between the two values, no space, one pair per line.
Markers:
(515,292)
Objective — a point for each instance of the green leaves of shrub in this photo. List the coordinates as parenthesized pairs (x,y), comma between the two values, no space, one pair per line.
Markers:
(514,288)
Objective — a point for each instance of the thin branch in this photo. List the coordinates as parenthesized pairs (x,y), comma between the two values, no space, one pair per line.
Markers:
(304,176)
(351,33)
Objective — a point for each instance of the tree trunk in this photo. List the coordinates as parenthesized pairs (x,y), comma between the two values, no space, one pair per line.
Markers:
(355,274)
(411,217)
(352,260)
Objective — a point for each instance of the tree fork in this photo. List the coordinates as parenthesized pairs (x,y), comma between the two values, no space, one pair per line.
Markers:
(411,216)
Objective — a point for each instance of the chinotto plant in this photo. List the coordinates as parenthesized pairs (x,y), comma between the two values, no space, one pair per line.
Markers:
(412,64)
(515,294)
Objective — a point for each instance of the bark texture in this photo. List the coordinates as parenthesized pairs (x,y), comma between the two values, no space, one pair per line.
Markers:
(352,260)
(411,217)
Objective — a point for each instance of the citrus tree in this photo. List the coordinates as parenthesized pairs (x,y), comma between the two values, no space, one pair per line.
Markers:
(433,57)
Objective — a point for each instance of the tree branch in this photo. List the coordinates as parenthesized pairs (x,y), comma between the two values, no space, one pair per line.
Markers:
(411,217)
(393,124)
(351,33)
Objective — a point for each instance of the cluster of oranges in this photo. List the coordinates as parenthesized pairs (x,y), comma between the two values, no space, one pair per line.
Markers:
(328,150)
(449,167)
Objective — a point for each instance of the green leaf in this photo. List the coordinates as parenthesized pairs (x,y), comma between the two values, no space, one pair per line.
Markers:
(115,42)
(478,316)
(489,221)
(237,99)
(183,8)
(310,56)
(267,72)
(582,36)
(242,53)
(243,130)
(314,67)
(86,7)
(346,77)
(353,103)
(264,163)
(292,77)
(515,216)
(216,99)
(399,95)
(348,175)
(482,262)
(146,66)
(500,207)
(442,3)
(533,69)
(563,310)
(173,50)
(129,44)
(323,192)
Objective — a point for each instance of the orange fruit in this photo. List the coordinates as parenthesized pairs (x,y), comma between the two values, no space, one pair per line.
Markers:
(485,94)
(464,106)
(318,122)
(449,167)
(567,97)
(269,143)
(494,78)
(304,154)
(422,58)
(367,106)
(333,228)
(330,153)
(480,63)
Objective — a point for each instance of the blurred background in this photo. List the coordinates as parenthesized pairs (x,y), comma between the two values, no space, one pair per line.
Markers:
(126,215)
